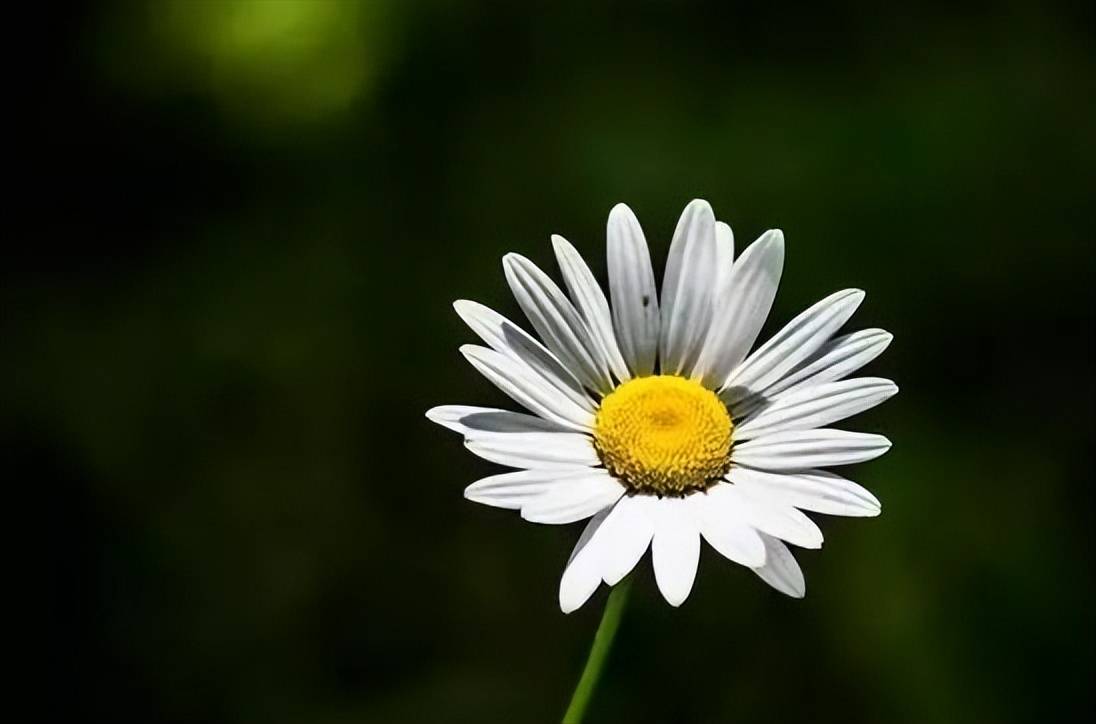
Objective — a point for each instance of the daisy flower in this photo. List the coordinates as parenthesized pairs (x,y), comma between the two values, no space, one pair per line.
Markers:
(652,417)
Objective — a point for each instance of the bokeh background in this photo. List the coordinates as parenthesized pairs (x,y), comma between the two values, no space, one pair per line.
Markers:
(233,309)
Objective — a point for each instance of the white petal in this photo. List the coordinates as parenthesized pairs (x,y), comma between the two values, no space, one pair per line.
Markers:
(528,389)
(610,547)
(632,287)
(687,289)
(512,490)
(797,341)
(732,538)
(574,499)
(766,515)
(534,449)
(628,532)
(816,405)
(556,321)
(467,419)
(675,550)
(836,359)
(590,301)
(742,309)
(724,257)
(582,575)
(724,264)
(504,336)
(819,491)
(802,449)
(780,570)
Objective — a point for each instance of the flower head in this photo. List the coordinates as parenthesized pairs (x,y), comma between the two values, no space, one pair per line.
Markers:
(653,419)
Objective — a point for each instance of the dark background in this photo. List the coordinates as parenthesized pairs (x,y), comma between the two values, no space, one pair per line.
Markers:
(231,310)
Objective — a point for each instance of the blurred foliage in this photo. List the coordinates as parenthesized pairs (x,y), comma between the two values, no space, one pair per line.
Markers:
(266,62)
(221,337)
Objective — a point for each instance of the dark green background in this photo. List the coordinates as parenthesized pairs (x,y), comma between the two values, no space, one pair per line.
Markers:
(232,310)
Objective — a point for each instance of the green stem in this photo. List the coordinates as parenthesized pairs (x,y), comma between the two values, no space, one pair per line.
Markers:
(599,651)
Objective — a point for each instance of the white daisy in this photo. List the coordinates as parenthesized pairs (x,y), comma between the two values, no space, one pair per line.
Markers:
(653,419)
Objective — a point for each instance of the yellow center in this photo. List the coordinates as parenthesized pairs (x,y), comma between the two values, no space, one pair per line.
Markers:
(664,435)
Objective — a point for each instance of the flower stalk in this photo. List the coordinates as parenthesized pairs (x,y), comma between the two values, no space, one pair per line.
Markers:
(599,652)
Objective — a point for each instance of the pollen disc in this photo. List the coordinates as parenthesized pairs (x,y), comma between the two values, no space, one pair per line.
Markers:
(664,435)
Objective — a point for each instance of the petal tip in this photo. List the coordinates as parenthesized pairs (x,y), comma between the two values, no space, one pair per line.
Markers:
(475,354)
(568,607)
(877,337)
(703,211)
(620,217)
(771,242)
(465,309)
(675,600)
(846,297)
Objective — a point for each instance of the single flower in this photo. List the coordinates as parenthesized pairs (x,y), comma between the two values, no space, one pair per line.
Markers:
(653,419)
